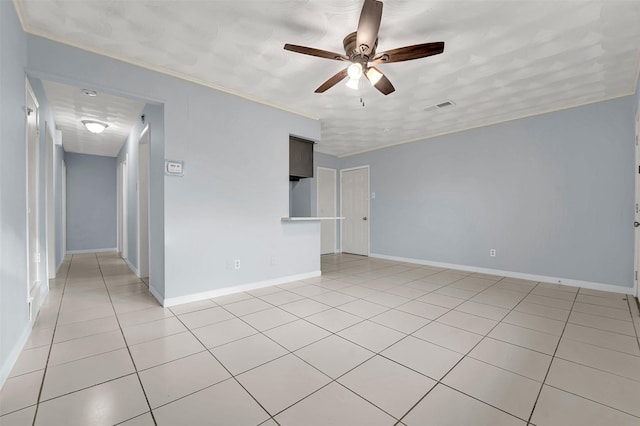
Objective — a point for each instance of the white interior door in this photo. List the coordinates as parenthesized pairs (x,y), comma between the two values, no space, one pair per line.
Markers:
(354,204)
(637,211)
(143,204)
(326,181)
(51,201)
(33,229)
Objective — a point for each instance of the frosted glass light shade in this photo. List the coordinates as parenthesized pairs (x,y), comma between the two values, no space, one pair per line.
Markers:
(94,126)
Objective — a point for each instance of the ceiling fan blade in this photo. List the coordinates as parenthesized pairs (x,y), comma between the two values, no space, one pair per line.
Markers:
(379,81)
(315,52)
(368,27)
(408,53)
(332,81)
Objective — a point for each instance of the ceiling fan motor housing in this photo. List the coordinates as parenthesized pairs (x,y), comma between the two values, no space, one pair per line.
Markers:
(354,53)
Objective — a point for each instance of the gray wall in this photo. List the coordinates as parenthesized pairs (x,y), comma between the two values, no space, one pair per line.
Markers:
(304,193)
(235,189)
(300,198)
(553,194)
(91,202)
(14,314)
(154,118)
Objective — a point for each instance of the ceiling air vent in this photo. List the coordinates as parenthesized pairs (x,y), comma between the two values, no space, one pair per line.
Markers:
(445,104)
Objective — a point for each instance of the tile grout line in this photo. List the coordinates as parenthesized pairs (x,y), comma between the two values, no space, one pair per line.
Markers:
(369,318)
(126,344)
(552,360)
(632,319)
(232,376)
(440,381)
(55,326)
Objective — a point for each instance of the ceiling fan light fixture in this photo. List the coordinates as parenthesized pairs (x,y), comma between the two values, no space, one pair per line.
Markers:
(355,71)
(94,126)
(374,75)
(353,83)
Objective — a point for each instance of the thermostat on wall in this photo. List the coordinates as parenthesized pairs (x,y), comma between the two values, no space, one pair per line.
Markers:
(174,168)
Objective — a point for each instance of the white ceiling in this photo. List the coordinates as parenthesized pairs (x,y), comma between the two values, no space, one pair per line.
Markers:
(503,59)
(70,106)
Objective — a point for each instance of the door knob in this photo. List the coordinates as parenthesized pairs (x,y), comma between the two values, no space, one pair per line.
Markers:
(636,224)
(365,218)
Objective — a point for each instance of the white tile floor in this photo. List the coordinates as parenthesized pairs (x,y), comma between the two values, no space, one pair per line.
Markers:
(371,342)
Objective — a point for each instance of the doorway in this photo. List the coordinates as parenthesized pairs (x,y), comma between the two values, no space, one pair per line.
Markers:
(326,193)
(34,291)
(143,204)
(354,207)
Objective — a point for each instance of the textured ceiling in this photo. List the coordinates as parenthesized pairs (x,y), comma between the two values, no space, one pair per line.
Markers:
(70,105)
(503,59)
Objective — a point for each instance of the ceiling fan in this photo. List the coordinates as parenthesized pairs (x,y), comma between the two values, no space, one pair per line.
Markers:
(360,50)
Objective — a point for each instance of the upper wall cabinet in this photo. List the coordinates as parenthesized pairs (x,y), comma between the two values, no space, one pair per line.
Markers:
(300,158)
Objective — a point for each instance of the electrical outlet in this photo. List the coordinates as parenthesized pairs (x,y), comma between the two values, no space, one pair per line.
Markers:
(272,261)
(492,252)
(236,264)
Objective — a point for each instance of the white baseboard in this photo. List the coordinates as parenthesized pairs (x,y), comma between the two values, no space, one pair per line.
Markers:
(10,361)
(132,267)
(531,277)
(157,295)
(196,297)
(102,250)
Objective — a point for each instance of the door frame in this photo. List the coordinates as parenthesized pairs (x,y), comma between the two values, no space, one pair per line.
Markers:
(335,203)
(368,204)
(144,220)
(119,209)
(636,256)
(125,208)
(32,256)
(64,206)
(50,201)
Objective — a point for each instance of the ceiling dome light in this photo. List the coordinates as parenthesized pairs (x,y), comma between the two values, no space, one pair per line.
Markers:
(354,71)
(94,126)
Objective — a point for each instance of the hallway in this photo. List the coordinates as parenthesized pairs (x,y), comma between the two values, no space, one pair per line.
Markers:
(378,342)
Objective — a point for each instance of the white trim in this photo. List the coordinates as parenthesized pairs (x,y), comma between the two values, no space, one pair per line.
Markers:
(155,294)
(368,205)
(133,268)
(234,289)
(50,200)
(101,250)
(520,275)
(12,357)
(143,134)
(636,217)
(30,94)
(63,194)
